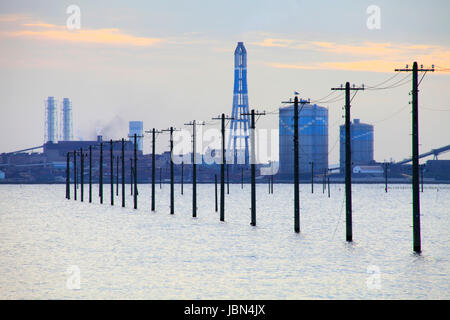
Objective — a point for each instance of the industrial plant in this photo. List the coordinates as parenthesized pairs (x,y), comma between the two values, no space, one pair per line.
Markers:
(49,166)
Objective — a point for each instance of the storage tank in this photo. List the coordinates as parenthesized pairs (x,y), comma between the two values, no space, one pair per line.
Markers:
(313,139)
(361,144)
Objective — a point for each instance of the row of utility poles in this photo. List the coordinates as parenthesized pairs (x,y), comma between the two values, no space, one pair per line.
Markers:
(99,147)
(253,113)
(348,170)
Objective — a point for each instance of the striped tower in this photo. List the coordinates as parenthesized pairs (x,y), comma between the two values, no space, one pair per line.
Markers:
(240,124)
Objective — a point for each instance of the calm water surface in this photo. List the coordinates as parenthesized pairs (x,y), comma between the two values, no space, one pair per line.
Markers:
(123,253)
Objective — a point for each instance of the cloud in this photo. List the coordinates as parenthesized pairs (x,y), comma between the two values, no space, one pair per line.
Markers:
(111,36)
(362,56)
(44,25)
(292,66)
(272,42)
(360,65)
(12,17)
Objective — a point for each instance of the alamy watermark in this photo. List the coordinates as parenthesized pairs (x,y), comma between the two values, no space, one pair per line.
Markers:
(73,22)
(374,19)
(73,281)
(208,145)
(373,281)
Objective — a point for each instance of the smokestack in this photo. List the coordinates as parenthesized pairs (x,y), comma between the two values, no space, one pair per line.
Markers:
(51,121)
(66,121)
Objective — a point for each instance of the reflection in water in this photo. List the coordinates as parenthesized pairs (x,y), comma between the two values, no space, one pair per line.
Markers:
(136,254)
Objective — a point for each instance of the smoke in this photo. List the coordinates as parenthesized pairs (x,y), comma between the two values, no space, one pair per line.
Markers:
(116,128)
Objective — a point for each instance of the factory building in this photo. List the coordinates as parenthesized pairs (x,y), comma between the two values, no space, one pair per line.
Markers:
(137,127)
(361,144)
(58,151)
(313,139)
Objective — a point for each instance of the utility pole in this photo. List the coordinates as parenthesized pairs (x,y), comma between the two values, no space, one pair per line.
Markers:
(123,172)
(111,170)
(153,132)
(415,152)
(215,185)
(296,162)
(228,178)
(348,160)
(222,166)
(328,186)
(131,176)
(153,168)
(182,176)
(194,166)
(75,174)
(82,174)
(271,182)
(172,201)
(312,176)
(101,173)
(117,176)
(324,180)
(90,174)
(68,175)
(385,167)
(135,175)
(253,161)
(135,171)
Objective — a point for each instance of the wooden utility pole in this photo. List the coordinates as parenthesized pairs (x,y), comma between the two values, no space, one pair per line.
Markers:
(415,152)
(385,167)
(222,166)
(90,174)
(111,170)
(75,175)
(123,172)
(172,201)
(82,175)
(68,175)
(154,132)
(348,160)
(253,161)
(194,165)
(296,162)
(101,174)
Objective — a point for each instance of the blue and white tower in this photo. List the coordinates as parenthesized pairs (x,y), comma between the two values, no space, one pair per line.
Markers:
(239,129)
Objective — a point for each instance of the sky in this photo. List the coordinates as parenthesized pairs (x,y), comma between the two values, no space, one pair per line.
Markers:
(170,62)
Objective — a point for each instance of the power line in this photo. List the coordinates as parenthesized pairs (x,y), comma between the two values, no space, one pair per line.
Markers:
(396,84)
(392,115)
(383,82)
(433,109)
(321,99)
